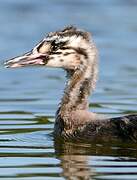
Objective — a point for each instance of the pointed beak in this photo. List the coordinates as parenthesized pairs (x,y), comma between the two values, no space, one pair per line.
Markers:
(27,59)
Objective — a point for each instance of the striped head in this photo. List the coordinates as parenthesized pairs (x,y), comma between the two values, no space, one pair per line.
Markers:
(68,48)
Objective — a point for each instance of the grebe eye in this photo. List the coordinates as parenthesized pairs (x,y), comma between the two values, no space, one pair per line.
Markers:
(54,45)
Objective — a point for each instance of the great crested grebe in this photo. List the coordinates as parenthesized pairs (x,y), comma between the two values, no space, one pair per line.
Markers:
(74,50)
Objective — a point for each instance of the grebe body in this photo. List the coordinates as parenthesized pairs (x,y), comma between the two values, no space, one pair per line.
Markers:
(74,51)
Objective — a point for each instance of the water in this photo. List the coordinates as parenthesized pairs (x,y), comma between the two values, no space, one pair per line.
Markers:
(29,97)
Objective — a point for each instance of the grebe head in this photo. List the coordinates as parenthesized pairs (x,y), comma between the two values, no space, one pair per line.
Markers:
(69,48)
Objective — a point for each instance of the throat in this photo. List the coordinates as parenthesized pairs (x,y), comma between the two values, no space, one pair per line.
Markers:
(75,100)
(80,84)
(76,92)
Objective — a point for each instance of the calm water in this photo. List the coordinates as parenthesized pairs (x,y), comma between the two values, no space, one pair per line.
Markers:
(29,97)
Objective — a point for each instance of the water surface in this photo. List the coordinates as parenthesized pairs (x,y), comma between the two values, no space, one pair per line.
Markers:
(29,97)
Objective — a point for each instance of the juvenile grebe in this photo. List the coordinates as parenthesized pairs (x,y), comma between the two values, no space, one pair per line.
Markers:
(74,50)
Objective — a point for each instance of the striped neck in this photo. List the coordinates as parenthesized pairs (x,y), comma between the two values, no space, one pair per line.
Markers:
(76,92)
(80,84)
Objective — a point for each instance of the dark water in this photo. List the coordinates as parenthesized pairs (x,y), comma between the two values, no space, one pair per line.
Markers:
(29,97)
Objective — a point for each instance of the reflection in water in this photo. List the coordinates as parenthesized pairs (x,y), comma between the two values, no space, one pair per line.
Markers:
(81,161)
(75,167)
(74,161)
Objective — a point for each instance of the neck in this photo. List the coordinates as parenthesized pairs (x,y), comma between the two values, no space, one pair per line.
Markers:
(78,88)
(80,83)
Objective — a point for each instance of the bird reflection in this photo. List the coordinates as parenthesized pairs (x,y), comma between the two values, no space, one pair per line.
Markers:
(77,158)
